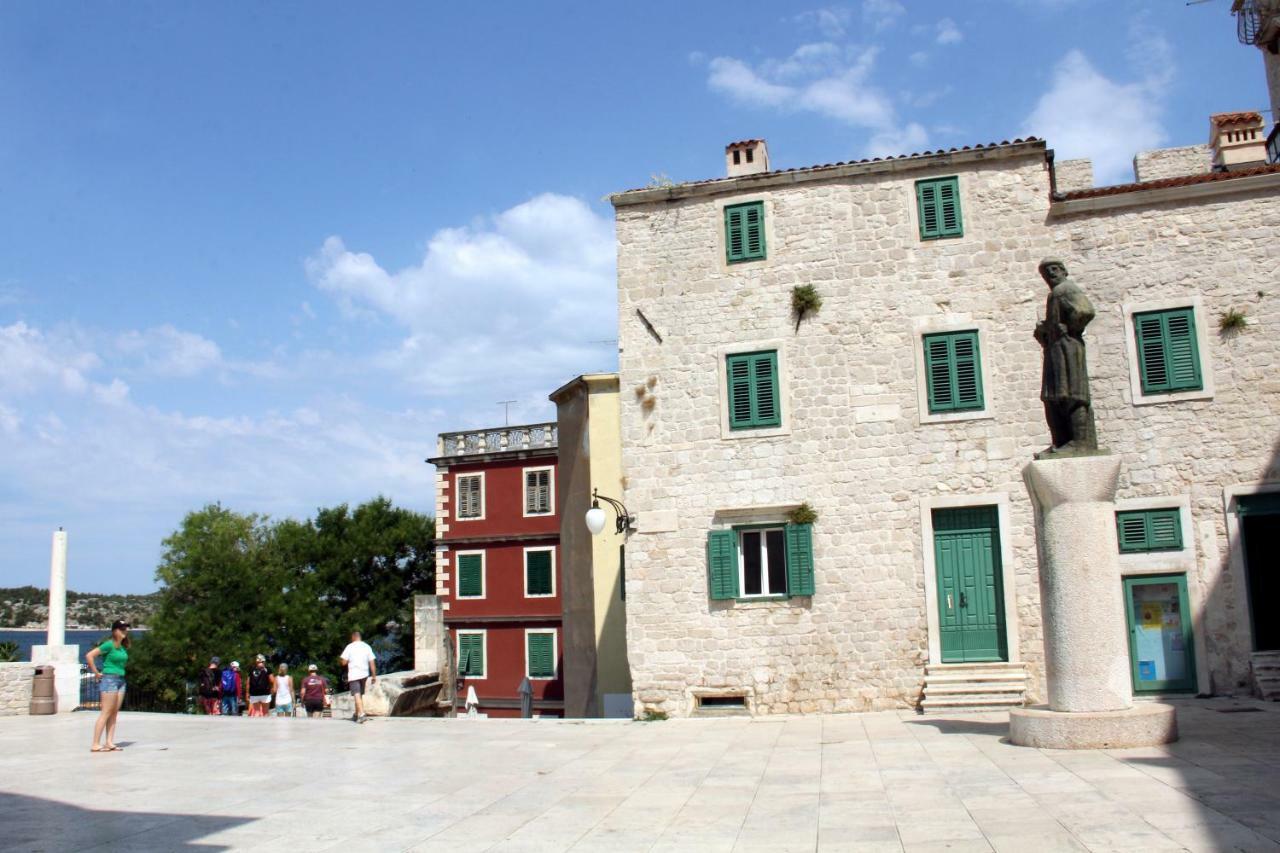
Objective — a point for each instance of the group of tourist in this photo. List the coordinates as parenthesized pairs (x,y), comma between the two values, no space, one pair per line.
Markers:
(221,689)
(228,692)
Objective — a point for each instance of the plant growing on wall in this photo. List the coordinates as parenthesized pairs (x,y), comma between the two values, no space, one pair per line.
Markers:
(805,299)
(803,514)
(1232,321)
(8,652)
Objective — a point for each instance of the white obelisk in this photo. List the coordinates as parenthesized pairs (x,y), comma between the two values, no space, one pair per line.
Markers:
(58,590)
(64,659)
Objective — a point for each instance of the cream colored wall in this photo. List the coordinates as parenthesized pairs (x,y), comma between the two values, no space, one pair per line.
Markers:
(613,675)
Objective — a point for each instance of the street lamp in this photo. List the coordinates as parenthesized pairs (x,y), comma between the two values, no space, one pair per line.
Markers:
(595,515)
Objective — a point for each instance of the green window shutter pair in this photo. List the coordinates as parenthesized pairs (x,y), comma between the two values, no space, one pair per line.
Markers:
(537,573)
(938,204)
(953,370)
(542,663)
(1168,358)
(471,655)
(753,390)
(1149,530)
(744,232)
(722,562)
(470,576)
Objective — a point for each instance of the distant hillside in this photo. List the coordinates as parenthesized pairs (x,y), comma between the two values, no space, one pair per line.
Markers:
(28,607)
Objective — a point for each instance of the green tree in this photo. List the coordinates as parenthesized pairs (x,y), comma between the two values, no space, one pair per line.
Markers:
(236,585)
(8,652)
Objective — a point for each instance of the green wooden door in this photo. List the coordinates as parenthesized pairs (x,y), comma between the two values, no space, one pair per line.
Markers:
(966,543)
(1161,649)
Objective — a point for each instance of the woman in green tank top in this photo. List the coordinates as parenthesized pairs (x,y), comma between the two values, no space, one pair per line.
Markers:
(114,656)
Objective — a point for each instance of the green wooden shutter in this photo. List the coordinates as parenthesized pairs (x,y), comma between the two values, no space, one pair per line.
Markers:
(799,559)
(744,238)
(1149,530)
(538,573)
(722,564)
(1168,358)
(927,201)
(753,390)
(471,655)
(949,208)
(953,371)
(739,370)
(764,389)
(938,202)
(470,581)
(541,659)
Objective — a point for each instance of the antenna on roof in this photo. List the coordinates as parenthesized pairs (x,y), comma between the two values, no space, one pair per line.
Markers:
(506,411)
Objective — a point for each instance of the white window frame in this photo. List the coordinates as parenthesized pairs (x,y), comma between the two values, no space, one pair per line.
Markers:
(764,563)
(457,503)
(525,571)
(1196,304)
(555,654)
(484,649)
(457,575)
(551,490)
(922,326)
(784,389)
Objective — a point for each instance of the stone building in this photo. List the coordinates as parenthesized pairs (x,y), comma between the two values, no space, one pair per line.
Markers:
(903,410)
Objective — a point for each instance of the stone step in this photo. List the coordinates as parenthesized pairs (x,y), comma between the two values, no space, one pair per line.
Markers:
(959,704)
(970,688)
(977,667)
(1019,677)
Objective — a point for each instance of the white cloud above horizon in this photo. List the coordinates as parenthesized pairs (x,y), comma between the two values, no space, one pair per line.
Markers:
(1084,113)
(823,78)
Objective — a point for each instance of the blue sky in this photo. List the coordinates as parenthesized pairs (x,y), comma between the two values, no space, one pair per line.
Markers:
(262,253)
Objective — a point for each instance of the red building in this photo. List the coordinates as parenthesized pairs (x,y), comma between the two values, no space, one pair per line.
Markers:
(498,564)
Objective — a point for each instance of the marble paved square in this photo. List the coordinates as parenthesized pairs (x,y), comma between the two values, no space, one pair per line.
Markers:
(890,781)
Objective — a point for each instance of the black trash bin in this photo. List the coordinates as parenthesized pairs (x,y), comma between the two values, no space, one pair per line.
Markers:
(43,698)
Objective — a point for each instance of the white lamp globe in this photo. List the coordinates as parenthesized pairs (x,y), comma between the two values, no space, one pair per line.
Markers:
(595,520)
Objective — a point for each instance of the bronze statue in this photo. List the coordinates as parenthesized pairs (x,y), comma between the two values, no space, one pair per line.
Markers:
(1064,386)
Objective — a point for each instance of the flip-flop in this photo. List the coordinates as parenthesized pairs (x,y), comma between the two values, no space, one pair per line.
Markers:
(114,748)
(96,749)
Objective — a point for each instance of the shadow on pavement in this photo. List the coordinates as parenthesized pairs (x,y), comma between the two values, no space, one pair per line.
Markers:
(995,728)
(35,824)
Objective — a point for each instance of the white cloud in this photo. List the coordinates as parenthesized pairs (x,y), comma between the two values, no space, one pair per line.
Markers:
(32,361)
(1086,114)
(822,78)
(948,32)
(882,14)
(166,351)
(831,21)
(509,303)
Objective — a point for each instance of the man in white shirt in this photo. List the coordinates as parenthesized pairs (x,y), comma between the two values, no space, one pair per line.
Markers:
(361,666)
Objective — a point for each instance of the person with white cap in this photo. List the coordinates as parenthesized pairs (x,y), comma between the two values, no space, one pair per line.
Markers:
(314,692)
(231,685)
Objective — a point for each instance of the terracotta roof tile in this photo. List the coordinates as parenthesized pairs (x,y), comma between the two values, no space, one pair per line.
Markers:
(1165,183)
(742,142)
(1236,118)
(978,147)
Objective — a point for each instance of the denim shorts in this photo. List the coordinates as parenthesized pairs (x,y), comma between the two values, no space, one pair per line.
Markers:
(111,683)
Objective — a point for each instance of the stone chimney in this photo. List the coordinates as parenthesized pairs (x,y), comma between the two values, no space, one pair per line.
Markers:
(748,157)
(1237,140)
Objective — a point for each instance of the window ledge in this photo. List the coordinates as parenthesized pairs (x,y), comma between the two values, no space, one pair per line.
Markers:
(954,417)
(1176,397)
(768,432)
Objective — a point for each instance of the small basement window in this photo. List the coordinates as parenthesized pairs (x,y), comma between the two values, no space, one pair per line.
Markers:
(731,702)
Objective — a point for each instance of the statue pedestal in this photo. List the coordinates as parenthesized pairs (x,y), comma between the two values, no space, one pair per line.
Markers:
(65,661)
(1082,606)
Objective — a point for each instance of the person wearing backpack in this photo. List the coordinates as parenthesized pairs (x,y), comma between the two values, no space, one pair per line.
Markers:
(231,685)
(211,687)
(259,688)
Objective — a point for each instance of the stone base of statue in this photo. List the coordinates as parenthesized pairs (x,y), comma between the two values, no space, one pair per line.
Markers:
(65,661)
(1082,606)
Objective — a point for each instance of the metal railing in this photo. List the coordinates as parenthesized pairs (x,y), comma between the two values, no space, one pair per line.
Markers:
(137,698)
(497,439)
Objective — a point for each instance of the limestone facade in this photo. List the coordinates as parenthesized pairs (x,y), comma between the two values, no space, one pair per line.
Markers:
(1171,162)
(856,440)
(15,688)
